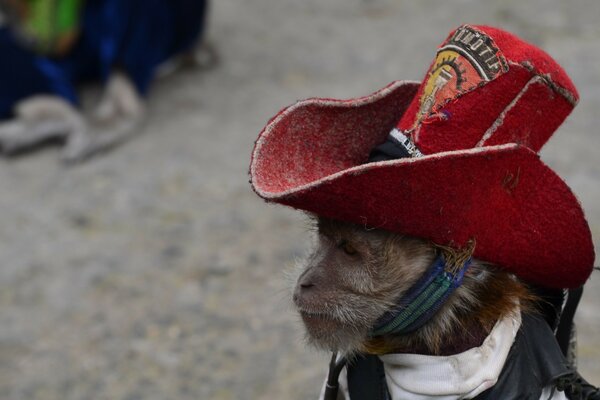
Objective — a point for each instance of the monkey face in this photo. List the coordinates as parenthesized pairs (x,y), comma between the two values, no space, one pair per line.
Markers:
(352,277)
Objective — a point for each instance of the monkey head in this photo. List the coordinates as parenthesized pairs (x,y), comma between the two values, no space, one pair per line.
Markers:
(352,277)
(356,274)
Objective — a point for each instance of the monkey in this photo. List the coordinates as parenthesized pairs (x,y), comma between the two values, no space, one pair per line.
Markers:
(355,274)
(418,302)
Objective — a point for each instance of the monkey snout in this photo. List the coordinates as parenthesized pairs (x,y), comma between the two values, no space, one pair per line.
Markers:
(306,282)
(304,287)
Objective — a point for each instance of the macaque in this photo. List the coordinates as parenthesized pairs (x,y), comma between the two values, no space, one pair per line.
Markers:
(355,274)
(453,276)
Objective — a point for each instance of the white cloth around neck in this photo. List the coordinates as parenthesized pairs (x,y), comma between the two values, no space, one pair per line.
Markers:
(459,376)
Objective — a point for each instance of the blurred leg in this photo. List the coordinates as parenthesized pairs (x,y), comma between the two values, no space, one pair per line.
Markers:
(117,118)
(37,120)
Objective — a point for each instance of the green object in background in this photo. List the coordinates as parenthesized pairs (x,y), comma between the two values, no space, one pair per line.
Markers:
(52,25)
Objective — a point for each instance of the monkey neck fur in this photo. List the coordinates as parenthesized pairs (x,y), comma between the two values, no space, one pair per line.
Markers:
(465,320)
(356,274)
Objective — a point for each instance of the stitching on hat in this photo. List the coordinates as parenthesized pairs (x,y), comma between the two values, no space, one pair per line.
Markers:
(500,120)
(567,94)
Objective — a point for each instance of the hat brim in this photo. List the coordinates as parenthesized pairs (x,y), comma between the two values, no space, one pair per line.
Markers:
(522,216)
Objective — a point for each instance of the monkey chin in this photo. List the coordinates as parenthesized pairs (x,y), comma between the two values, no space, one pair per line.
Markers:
(328,333)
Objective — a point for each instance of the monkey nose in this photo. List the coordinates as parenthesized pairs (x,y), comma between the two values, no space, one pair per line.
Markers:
(303,288)
(306,283)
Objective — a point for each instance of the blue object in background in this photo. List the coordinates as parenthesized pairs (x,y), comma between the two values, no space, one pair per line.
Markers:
(132,35)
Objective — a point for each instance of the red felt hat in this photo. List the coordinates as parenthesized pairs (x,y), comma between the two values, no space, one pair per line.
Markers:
(473,130)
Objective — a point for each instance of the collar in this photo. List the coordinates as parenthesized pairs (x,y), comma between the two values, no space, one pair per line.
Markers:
(416,307)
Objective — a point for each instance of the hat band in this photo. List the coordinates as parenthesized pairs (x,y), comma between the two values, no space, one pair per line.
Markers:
(397,145)
(422,300)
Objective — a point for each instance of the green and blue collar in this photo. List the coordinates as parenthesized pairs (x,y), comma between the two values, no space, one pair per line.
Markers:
(420,303)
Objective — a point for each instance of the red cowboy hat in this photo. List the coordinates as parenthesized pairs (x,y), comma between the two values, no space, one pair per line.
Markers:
(472,130)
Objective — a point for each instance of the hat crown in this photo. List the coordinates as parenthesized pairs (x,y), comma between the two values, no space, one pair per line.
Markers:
(488,87)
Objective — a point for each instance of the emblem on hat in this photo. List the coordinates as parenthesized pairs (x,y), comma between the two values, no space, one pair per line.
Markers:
(466,60)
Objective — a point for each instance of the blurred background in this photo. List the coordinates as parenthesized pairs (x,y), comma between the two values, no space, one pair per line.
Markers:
(154,272)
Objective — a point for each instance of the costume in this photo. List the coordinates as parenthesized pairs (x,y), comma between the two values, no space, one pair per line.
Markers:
(134,35)
(453,160)
(501,368)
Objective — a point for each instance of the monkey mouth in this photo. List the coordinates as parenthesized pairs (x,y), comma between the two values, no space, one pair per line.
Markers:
(311,309)
(310,315)
(313,313)
(319,315)
(315,319)
(326,331)
(326,313)
(318,322)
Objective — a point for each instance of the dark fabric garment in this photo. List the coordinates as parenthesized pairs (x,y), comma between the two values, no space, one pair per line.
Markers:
(534,362)
(388,150)
(366,378)
(133,35)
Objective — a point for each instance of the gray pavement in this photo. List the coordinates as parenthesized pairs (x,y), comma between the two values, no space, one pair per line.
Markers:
(154,272)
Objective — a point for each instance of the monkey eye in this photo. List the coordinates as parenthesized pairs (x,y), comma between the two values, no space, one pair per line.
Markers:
(348,248)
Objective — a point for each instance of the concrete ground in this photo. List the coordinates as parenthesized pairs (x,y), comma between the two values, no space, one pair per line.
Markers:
(154,272)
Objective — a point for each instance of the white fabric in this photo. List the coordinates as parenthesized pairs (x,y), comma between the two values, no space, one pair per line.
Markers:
(556,396)
(460,376)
